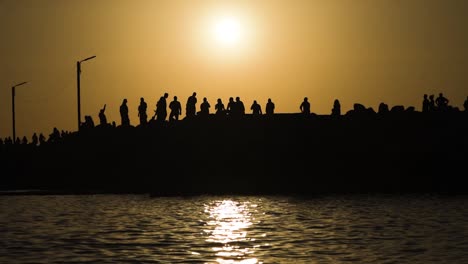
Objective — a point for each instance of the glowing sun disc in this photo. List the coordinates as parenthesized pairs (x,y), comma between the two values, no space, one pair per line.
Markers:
(227,31)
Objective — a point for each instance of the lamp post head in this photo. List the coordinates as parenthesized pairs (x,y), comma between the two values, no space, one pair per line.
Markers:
(92,57)
(20,84)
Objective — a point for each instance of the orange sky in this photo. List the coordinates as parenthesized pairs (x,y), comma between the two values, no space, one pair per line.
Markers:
(365,51)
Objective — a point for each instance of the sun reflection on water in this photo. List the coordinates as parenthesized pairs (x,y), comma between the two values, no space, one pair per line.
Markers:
(229,222)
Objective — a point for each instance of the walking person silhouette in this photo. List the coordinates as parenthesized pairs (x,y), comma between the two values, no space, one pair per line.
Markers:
(161,108)
(190,108)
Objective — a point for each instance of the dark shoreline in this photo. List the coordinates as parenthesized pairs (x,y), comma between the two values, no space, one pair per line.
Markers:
(405,152)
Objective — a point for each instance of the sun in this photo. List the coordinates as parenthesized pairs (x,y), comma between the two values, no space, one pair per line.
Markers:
(227,31)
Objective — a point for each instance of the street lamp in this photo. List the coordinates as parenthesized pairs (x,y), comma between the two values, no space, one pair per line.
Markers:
(13,107)
(78,73)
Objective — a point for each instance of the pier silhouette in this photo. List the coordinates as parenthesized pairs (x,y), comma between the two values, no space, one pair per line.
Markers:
(396,149)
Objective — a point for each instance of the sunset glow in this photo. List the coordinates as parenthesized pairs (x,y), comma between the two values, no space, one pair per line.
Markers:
(363,52)
(227,31)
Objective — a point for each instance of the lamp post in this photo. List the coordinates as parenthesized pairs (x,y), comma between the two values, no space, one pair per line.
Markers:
(78,73)
(13,107)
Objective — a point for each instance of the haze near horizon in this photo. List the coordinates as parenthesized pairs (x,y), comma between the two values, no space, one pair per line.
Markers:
(356,51)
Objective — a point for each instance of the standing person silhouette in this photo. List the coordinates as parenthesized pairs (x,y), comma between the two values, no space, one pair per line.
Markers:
(190,108)
(425,104)
(102,116)
(176,109)
(270,107)
(231,106)
(442,102)
(124,113)
(305,106)
(432,104)
(35,139)
(142,111)
(256,108)
(240,108)
(336,110)
(42,139)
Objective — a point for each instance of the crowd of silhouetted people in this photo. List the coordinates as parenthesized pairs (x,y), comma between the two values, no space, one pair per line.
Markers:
(235,108)
(37,140)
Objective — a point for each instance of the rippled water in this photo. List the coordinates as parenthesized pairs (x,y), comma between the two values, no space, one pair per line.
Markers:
(223,229)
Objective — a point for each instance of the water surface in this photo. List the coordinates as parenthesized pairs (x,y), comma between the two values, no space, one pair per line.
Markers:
(233,229)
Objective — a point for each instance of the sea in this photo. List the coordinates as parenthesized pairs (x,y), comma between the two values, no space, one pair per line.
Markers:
(140,228)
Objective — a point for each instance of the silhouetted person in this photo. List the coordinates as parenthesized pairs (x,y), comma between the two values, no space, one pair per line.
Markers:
(63,134)
(42,139)
(24,141)
(35,139)
(176,109)
(425,104)
(219,107)
(256,108)
(239,107)
(270,107)
(432,105)
(383,108)
(124,113)
(102,116)
(231,106)
(442,102)
(161,108)
(89,123)
(465,104)
(336,110)
(205,107)
(190,108)
(142,111)
(305,106)
(158,111)
(55,135)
